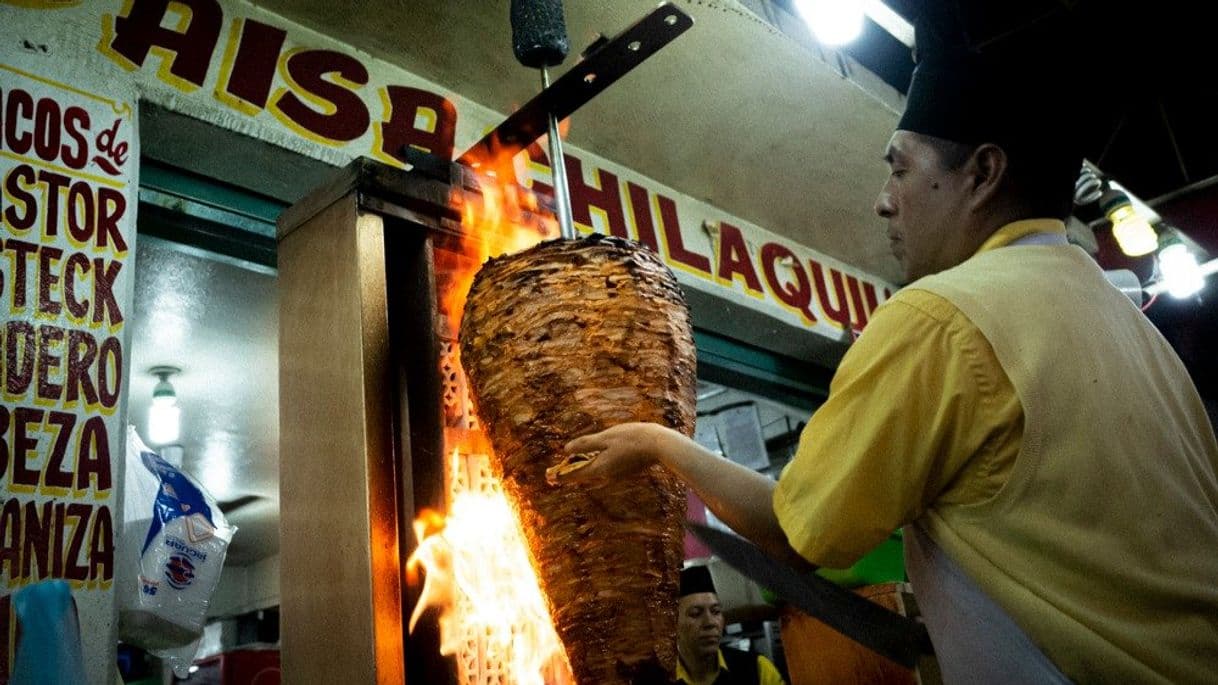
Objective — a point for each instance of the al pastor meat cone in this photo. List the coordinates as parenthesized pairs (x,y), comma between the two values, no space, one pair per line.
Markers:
(567,338)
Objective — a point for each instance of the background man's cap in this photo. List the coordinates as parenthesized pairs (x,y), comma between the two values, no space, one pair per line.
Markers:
(695,579)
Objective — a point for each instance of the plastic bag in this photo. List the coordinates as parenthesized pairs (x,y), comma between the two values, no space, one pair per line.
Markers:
(174,541)
(49,648)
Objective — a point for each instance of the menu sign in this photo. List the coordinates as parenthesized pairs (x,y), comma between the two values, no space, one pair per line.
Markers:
(67,206)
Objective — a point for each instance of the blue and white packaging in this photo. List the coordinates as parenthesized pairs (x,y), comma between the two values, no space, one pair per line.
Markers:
(174,541)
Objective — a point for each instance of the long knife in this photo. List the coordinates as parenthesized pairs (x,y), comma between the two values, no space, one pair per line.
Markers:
(885,632)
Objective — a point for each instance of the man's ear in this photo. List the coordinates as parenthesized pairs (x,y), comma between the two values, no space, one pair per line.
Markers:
(987,170)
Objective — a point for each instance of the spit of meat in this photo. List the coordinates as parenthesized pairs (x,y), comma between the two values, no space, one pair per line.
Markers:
(564,339)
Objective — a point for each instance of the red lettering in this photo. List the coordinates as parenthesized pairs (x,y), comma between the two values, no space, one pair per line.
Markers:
(10,542)
(21,250)
(48,126)
(344,117)
(20,107)
(604,195)
(4,421)
(856,299)
(140,30)
(734,257)
(103,291)
(111,206)
(77,261)
(400,127)
(48,278)
(109,357)
(50,340)
(47,119)
(836,309)
(23,444)
(253,68)
(73,570)
(114,155)
(13,184)
(78,381)
(75,122)
(101,546)
(55,183)
(671,226)
(93,455)
(640,210)
(53,475)
(18,357)
(80,197)
(798,295)
(57,525)
(869,295)
(37,540)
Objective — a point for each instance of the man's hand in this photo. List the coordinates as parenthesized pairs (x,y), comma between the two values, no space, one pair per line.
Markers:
(618,451)
(738,495)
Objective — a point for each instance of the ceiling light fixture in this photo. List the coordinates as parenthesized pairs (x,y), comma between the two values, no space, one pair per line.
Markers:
(164,415)
(890,21)
(1178,267)
(833,22)
(1132,230)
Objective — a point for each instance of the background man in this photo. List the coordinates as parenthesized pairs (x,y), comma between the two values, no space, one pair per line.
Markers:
(699,631)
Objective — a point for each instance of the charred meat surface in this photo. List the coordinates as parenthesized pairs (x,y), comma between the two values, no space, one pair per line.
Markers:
(567,338)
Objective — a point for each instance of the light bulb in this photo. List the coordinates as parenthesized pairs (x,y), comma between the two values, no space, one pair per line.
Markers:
(1132,231)
(1181,273)
(834,22)
(164,421)
(164,415)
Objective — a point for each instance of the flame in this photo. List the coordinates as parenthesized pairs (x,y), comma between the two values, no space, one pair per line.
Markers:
(477,569)
(480,575)
(502,217)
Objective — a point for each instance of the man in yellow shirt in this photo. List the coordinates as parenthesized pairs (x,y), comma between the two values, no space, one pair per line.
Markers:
(1043,446)
(701,661)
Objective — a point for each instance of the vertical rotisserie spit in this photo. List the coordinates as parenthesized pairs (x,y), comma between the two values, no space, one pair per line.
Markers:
(563,339)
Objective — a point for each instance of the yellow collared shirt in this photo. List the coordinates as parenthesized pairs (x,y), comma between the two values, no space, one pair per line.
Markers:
(766,671)
(919,412)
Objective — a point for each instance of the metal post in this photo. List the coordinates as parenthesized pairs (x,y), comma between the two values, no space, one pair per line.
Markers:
(558,169)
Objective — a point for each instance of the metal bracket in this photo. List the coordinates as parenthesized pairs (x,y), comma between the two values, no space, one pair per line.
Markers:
(601,67)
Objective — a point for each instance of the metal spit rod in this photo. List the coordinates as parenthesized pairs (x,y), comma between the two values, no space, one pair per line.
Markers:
(539,39)
(558,169)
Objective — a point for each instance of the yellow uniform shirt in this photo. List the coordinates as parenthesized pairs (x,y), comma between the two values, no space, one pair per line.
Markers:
(766,671)
(869,461)
(1089,514)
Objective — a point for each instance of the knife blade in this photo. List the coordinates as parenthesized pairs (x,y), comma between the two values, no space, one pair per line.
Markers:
(885,632)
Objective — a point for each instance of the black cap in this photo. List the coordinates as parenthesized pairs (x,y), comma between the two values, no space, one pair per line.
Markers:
(1019,96)
(695,579)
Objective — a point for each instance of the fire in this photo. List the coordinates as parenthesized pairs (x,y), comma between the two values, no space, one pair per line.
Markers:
(493,616)
(478,573)
(501,219)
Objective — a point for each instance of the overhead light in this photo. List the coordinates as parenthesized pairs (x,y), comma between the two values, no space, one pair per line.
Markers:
(1181,274)
(890,21)
(833,22)
(164,415)
(1132,230)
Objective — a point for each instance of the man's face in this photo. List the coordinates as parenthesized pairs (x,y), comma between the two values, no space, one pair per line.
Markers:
(925,205)
(699,625)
